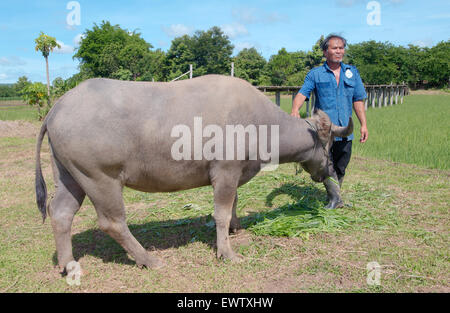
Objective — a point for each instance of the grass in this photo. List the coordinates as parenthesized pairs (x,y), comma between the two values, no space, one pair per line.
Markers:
(397,215)
(18,112)
(415,132)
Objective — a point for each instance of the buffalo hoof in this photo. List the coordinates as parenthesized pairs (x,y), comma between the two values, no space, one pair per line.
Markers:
(233,257)
(150,262)
(235,231)
(334,205)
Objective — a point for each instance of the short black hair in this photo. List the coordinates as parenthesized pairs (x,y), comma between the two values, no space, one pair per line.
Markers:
(324,44)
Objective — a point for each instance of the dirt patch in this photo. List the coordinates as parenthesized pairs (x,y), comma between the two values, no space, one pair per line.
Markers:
(18,129)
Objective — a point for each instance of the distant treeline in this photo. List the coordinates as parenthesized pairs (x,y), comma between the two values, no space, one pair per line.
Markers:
(112,52)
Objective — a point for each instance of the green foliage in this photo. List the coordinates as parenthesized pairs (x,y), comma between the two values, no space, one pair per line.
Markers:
(315,56)
(249,65)
(58,87)
(287,68)
(208,51)
(36,95)
(436,66)
(382,63)
(122,74)
(109,51)
(20,85)
(45,44)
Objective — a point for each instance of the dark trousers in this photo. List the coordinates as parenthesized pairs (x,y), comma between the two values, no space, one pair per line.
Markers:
(340,154)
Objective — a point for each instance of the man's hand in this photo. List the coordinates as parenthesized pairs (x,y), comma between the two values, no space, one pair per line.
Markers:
(364,134)
(297,104)
(361,114)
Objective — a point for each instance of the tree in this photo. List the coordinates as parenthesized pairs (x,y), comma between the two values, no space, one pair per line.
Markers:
(179,56)
(208,51)
(375,62)
(436,65)
(46,44)
(315,56)
(249,65)
(35,94)
(212,52)
(58,87)
(107,49)
(21,83)
(287,68)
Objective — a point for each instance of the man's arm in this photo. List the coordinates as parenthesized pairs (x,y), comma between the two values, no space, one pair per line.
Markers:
(361,114)
(297,104)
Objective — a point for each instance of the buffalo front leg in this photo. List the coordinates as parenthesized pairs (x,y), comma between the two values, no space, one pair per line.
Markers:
(333,192)
(224,198)
(235,224)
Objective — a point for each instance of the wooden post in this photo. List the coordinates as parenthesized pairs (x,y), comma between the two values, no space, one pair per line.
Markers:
(366,101)
(402,93)
(397,88)
(380,93)
(232,69)
(277,97)
(190,71)
(373,95)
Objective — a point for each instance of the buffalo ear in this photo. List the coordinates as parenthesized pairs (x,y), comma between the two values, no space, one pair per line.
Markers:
(323,125)
(339,131)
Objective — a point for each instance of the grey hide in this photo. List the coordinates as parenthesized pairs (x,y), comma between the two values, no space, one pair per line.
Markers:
(106,134)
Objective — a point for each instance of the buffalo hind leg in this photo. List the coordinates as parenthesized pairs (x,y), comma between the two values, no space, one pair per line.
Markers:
(106,195)
(224,198)
(67,201)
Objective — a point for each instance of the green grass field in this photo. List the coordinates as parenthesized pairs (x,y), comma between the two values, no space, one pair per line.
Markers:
(415,132)
(17,112)
(397,215)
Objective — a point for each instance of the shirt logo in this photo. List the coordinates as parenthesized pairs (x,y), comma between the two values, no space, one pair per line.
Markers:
(348,73)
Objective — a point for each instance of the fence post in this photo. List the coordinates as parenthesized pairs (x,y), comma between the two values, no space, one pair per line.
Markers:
(190,71)
(232,69)
(277,97)
(379,100)
(397,88)
(373,96)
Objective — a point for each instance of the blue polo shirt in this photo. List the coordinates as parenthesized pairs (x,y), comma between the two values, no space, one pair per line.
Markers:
(335,100)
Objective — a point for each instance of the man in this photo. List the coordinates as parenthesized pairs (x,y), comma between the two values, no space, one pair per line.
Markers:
(336,86)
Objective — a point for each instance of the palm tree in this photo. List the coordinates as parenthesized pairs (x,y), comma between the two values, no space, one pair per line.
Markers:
(46,44)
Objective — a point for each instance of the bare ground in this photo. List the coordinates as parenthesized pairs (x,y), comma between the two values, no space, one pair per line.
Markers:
(412,259)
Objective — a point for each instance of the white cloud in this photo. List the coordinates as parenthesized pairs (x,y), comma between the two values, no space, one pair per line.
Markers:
(426,42)
(77,39)
(254,15)
(11,61)
(243,45)
(234,30)
(65,49)
(177,30)
(3,76)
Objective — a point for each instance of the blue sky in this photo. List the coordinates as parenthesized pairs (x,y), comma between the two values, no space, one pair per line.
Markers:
(267,25)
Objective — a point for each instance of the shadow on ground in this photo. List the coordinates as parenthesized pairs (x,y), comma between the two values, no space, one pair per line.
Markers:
(162,235)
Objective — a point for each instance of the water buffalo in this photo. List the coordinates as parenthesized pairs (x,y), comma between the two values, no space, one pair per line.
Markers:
(106,134)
